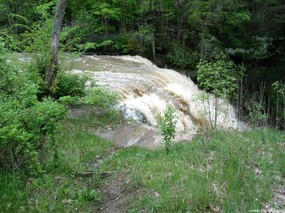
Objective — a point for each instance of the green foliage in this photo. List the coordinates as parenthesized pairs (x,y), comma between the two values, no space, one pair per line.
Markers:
(44,10)
(60,189)
(8,74)
(279,89)
(38,38)
(237,18)
(65,84)
(36,42)
(256,113)
(126,44)
(100,97)
(21,24)
(68,84)
(25,123)
(145,32)
(31,36)
(107,11)
(182,58)
(70,37)
(11,42)
(93,46)
(219,77)
(166,123)
(24,130)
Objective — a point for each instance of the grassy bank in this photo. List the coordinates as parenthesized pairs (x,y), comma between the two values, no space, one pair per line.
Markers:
(221,172)
(67,185)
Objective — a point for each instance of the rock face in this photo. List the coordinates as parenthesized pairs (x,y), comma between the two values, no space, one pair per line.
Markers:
(145,90)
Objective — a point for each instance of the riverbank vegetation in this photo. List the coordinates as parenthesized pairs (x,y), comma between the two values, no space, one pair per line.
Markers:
(217,172)
(50,162)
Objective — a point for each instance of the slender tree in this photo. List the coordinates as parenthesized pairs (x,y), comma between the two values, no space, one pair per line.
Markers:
(53,67)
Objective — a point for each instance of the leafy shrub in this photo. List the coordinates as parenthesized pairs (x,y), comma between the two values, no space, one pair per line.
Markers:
(166,123)
(181,58)
(38,38)
(65,84)
(100,97)
(24,132)
(25,123)
(68,84)
(256,113)
(126,44)
(221,78)
(11,41)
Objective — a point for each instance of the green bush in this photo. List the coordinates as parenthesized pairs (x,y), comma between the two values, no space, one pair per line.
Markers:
(256,113)
(221,78)
(68,84)
(182,58)
(65,84)
(25,122)
(100,97)
(166,123)
(126,44)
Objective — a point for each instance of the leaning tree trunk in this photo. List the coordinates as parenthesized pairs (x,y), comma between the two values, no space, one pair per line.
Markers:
(53,66)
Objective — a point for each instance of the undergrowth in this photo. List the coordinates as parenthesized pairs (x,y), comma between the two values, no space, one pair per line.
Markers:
(70,185)
(222,172)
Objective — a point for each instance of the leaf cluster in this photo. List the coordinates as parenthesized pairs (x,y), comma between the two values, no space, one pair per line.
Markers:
(219,77)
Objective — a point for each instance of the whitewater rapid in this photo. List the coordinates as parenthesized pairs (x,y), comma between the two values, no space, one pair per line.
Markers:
(145,90)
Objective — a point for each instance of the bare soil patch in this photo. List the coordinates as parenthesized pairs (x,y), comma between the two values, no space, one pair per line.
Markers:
(118,194)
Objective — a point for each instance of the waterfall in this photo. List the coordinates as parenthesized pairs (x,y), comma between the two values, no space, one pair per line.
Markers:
(145,90)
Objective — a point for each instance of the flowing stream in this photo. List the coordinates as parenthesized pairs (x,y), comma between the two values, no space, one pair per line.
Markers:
(145,90)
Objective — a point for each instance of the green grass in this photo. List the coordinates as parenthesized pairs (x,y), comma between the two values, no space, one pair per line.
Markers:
(60,189)
(12,195)
(221,172)
(226,172)
(81,147)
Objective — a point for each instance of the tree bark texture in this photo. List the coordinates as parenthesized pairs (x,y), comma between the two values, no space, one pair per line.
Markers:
(53,67)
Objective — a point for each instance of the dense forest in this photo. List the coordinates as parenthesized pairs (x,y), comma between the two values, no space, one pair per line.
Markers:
(176,34)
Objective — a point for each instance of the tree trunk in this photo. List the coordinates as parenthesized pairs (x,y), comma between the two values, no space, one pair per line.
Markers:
(53,67)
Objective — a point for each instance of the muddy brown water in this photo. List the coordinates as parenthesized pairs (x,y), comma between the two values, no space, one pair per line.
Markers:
(145,90)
